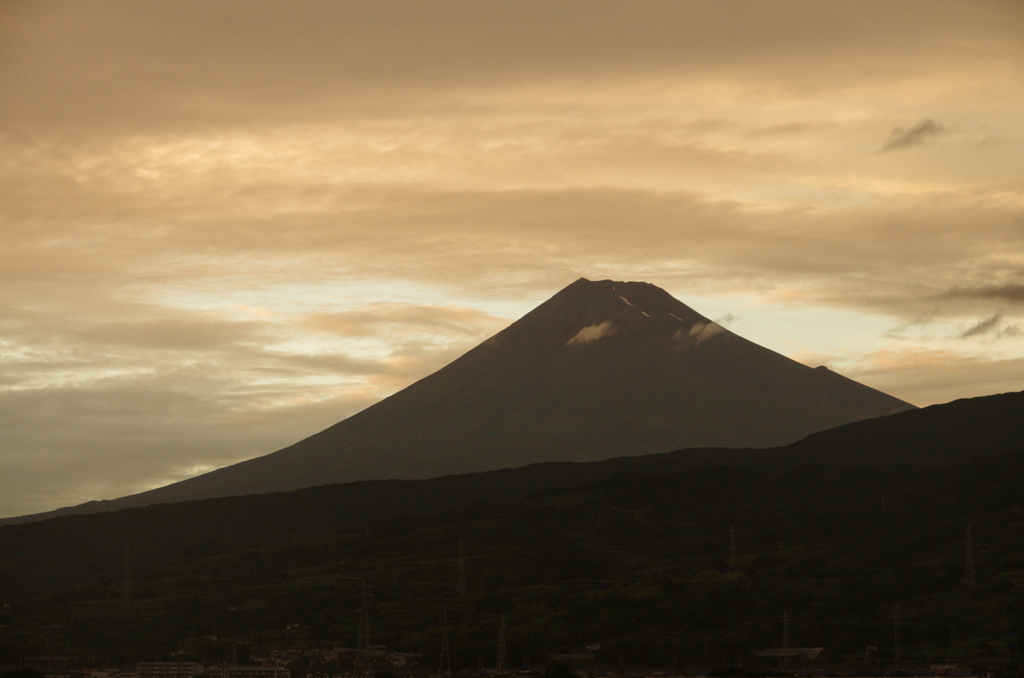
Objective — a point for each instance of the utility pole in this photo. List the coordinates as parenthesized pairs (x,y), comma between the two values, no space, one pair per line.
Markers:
(363,637)
(733,572)
(126,583)
(785,636)
(969,579)
(460,584)
(896,639)
(446,661)
(502,666)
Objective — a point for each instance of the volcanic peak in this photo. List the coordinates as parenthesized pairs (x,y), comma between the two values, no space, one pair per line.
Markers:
(589,312)
(602,369)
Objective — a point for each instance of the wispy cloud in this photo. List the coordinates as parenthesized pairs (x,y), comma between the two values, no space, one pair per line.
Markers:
(993,327)
(698,333)
(592,333)
(908,137)
(897,332)
(727,319)
(391,317)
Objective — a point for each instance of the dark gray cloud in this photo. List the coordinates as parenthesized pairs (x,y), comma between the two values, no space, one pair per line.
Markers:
(987,326)
(993,326)
(1012,292)
(907,137)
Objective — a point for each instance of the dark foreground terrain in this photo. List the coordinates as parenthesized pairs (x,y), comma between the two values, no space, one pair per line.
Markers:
(633,557)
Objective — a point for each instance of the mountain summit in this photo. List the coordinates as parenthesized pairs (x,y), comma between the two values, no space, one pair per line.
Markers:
(602,369)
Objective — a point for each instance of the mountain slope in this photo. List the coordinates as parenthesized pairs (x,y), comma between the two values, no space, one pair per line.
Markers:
(932,435)
(602,369)
(991,427)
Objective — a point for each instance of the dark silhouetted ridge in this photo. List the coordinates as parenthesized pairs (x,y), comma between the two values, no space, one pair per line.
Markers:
(934,437)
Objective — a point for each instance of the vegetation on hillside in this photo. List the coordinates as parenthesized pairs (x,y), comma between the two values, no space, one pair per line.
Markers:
(636,563)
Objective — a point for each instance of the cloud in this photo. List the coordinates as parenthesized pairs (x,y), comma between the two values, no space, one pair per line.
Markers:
(992,326)
(389,183)
(923,320)
(123,396)
(191,63)
(699,333)
(907,137)
(1012,292)
(982,327)
(727,319)
(83,424)
(704,331)
(129,434)
(372,319)
(926,376)
(592,333)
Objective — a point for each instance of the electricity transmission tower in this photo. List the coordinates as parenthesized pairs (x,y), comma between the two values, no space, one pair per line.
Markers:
(363,657)
(460,584)
(969,579)
(502,666)
(733,572)
(446,661)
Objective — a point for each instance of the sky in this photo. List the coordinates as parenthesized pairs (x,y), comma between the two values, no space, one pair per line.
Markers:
(225,226)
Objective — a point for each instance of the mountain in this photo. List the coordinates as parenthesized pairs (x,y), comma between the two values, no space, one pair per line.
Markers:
(983,437)
(600,370)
